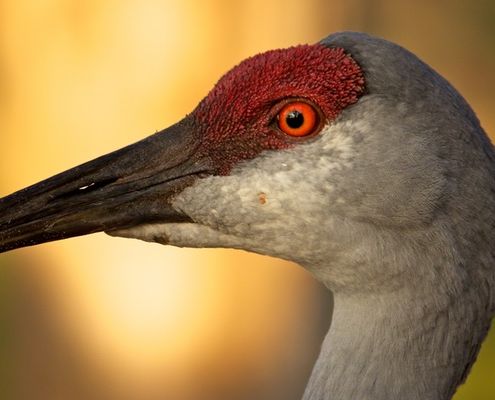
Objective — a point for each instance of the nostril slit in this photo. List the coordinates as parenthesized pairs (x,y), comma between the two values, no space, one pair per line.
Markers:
(86,188)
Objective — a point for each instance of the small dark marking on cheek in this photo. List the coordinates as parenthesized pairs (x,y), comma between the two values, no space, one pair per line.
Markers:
(162,239)
(262,198)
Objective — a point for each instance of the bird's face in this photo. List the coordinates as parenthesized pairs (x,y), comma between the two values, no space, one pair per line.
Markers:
(297,153)
(268,128)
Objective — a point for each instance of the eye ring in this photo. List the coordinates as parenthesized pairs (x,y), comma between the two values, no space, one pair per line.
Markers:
(298,118)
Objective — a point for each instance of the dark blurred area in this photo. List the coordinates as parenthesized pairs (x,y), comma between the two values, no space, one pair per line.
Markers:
(105,318)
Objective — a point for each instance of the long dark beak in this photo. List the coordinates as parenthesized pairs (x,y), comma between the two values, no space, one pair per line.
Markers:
(130,186)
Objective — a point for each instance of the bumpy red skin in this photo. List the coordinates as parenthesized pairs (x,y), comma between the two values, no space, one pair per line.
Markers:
(237,116)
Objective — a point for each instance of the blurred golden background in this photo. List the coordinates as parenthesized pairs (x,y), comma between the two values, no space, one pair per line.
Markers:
(104,318)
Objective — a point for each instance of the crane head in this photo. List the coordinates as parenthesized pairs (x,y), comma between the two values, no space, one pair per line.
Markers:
(302,153)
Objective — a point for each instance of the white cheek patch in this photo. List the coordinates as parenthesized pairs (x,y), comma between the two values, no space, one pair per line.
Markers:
(337,140)
(266,201)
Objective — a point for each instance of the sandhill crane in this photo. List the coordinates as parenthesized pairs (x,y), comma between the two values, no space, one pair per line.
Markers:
(352,158)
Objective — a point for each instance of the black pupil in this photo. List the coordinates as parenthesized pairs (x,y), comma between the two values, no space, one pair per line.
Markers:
(295,119)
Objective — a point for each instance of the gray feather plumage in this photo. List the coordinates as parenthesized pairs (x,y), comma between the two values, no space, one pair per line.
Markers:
(392,207)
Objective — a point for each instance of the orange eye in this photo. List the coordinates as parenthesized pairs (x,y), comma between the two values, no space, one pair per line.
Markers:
(298,119)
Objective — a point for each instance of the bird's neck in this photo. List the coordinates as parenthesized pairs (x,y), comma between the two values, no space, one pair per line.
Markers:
(379,347)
